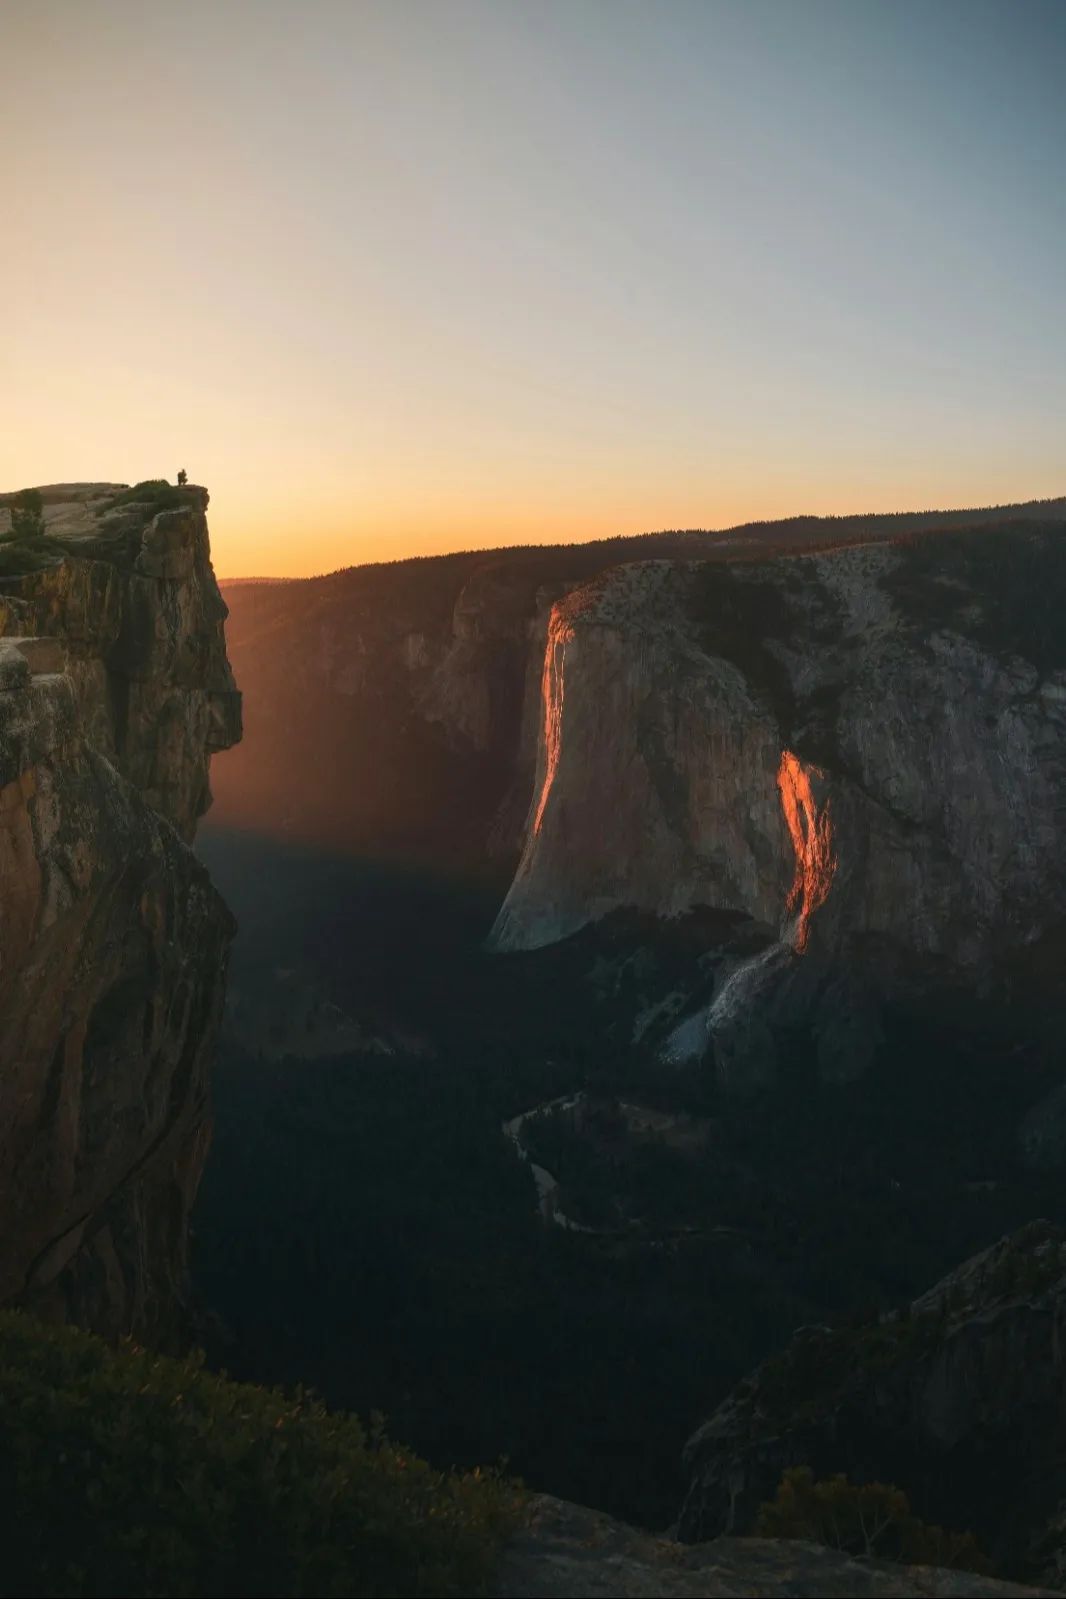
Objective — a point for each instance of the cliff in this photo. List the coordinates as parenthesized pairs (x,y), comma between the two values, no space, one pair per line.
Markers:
(958,1399)
(768,723)
(862,752)
(423,680)
(115,691)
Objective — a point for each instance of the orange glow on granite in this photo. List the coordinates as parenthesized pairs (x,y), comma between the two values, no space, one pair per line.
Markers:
(552,689)
(811,832)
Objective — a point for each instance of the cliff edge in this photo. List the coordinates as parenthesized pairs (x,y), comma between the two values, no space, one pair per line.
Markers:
(115,690)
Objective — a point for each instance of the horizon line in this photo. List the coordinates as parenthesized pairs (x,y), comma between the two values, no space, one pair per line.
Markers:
(652,533)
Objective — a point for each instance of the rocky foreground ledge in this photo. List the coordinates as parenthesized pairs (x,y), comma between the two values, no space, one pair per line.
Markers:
(568,1552)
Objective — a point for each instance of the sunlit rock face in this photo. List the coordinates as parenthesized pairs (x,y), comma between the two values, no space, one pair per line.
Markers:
(114,692)
(862,750)
(656,774)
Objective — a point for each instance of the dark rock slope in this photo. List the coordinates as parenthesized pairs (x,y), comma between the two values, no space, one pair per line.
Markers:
(565,1550)
(959,1399)
(114,692)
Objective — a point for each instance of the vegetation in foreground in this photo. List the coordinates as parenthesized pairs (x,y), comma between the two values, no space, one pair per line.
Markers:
(870,1519)
(123,1472)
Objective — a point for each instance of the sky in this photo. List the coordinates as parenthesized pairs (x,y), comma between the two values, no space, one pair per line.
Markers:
(403,277)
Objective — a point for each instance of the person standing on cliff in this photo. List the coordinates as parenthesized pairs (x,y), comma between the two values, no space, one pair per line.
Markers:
(183,478)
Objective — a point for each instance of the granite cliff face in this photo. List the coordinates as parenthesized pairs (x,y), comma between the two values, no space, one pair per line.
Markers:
(114,692)
(862,752)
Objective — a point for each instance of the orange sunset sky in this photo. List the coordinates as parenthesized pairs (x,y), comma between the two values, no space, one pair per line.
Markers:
(397,278)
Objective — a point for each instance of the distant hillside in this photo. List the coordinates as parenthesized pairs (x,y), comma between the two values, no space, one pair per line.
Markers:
(795,532)
(241,582)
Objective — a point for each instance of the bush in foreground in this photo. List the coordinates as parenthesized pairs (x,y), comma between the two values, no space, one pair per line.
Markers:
(872,1519)
(123,1472)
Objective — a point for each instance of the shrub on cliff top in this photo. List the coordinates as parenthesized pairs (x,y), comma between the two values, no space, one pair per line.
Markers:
(27,515)
(124,1472)
(154,491)
(873,1519)
(25,546)
(19,556)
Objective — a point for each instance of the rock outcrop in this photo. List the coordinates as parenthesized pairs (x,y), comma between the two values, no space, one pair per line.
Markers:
(565,1550)
(958,1399)
(115,691)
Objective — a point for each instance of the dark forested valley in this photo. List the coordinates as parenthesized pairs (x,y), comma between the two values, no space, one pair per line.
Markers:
(365,1226)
